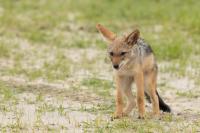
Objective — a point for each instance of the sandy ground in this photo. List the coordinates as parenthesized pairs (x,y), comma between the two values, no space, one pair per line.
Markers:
(73,116)
(43,106)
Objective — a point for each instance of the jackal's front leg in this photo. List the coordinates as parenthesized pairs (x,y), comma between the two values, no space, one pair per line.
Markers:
(139,80)
(118,99)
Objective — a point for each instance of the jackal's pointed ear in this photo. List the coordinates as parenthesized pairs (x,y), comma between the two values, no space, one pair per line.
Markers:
(107,34)
(132,38)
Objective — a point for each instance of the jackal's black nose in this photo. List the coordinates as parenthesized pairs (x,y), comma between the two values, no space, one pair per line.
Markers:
(116,66)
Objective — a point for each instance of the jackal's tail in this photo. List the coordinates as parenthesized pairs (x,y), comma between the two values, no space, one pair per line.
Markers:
(163,106)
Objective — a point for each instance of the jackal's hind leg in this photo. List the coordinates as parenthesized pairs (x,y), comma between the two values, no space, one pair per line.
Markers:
(150,80)
(130,101)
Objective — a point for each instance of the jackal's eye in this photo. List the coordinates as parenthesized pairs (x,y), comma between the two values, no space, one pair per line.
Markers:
(111,53)
(123,53)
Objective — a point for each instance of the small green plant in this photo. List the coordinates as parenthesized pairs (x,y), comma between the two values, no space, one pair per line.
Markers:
(99,86)
(61,110)
(6,91)
(4,50)
(188,94)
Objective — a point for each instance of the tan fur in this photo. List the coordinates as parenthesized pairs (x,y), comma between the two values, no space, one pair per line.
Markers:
(151,83)
(106,33)
(119,99)
(131,69)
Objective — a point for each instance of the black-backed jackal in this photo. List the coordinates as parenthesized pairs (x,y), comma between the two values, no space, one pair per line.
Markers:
(133,61)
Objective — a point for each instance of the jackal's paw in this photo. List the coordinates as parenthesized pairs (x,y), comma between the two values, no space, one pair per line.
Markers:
(125,114)
(141,116)
(117,115)
(157,117)
(155,114)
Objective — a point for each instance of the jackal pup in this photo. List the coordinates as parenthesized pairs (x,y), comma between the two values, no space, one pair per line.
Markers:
(133,60)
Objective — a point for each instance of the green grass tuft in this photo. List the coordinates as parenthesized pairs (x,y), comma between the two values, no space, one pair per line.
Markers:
(99,86)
